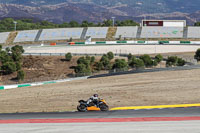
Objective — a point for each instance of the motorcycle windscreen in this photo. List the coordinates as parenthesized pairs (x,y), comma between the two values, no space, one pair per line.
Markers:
(93,108)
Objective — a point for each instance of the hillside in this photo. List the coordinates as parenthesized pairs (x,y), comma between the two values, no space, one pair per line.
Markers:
(60,11)
(151,6)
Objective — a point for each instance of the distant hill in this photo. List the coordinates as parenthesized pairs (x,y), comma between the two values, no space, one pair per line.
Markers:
(150,6)
(59,11)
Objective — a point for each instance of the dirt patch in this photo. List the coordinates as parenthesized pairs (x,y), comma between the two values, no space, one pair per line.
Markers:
(43,68)
(157,88)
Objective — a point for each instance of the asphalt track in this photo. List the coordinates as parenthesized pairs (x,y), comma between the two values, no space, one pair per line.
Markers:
(168,112)
(173,120)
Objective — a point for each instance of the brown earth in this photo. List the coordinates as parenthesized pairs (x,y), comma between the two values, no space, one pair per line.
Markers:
(46,68)
(156,88)
(43,68)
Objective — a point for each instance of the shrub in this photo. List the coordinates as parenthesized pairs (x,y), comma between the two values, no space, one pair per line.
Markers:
(17,49)
(18,66)
(0,47)
(83,60)
(136,63)
(172,61)
(158,58)
(99,66)
(8,50)
(8,67)
(129,56)
(68,57)
(120,64)
(92,60)
(20,75)
(105,61)
(16,56)
(147,60)
(197,55)
(180,62)
(4,57)
(155,63)
(110,55)
(82,69)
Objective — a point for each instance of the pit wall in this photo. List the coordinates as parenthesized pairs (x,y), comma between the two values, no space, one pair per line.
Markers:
(134,42)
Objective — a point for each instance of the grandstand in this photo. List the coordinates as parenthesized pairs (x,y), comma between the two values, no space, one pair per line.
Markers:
(4,37)
(97,32)
(60,34)
(126,32)
(193,32)
(26,36)
(162,32)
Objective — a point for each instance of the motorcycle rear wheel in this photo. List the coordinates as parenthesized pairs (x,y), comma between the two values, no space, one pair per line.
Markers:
(81,108)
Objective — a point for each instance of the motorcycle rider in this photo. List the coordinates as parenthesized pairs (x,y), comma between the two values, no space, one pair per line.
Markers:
(94,99)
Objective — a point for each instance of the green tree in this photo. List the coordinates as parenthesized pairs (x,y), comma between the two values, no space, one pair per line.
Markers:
(99,66)
(4,57)
(172,61)
(107,23)
(105,61)
(180,62)
(136,63)
(18,66)
(8,67)
(20,75)
(197,55)
(85,24)
(155,63)
(110,55)
(73,24)
(83,60)
(68,57)
(120,65)
(82,69)
(159,58)
(130,56)
(147,60)
(92,59)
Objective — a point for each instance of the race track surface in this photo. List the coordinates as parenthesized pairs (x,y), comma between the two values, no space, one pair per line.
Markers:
(165,126)
(173,112)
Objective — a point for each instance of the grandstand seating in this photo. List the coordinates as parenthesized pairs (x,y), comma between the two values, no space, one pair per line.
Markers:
(4,36)
(97,32)
(61,34)
(126,32)
(193,32)
(101,32)
(26,36)
(162,32)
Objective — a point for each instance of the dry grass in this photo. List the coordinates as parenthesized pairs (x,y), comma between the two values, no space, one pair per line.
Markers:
(11,37)
(111,32)
(171,87)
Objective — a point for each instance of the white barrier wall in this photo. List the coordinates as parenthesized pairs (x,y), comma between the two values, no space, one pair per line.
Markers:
(61,34)
(127,32)
(97,32)
(162,32)
(4,37)
(193,32)
(26,36)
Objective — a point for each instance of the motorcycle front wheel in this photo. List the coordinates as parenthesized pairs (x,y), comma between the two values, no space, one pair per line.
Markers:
(103,107)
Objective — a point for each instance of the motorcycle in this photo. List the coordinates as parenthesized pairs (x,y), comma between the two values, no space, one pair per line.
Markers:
(101,106)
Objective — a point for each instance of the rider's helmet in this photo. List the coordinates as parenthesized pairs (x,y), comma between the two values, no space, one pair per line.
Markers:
(95,95)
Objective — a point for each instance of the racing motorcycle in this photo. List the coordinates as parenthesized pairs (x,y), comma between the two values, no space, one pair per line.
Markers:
(101,106)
